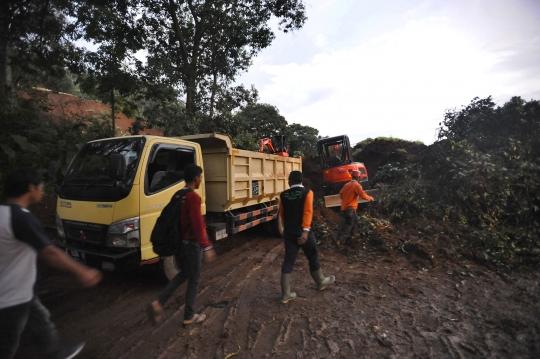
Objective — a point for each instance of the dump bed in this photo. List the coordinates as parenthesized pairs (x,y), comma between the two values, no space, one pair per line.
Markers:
(238,178)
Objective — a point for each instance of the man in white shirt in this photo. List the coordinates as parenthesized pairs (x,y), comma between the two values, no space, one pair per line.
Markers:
(22,241)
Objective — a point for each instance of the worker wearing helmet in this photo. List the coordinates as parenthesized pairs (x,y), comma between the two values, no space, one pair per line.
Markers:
(335,154)
(349,204)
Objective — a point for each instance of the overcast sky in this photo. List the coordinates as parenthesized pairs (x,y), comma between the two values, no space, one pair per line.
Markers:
(392,67)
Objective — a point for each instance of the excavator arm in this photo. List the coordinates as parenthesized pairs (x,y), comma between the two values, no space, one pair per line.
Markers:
(281,144)
(266,142)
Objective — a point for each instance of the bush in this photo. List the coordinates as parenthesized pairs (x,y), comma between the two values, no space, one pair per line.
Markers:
(31,139)
(482,176)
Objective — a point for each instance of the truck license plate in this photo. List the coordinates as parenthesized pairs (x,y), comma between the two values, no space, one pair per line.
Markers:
(77,255)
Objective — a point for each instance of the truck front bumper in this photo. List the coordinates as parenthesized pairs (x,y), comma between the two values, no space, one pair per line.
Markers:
(123,261)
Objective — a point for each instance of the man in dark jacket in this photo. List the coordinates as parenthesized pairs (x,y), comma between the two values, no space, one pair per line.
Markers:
(296,211)
(195,245)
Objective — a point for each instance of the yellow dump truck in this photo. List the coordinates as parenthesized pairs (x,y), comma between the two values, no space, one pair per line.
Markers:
(115,189)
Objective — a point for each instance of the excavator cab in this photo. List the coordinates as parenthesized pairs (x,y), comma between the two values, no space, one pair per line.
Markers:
(334,151)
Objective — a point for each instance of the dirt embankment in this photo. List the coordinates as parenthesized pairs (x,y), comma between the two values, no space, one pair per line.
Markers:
(62,105)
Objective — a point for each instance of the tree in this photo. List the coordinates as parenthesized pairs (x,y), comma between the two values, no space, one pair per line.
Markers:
(35,40)
(302,139)
(203,44)
(228,103)
(110,69)
(263,120)
(159,106)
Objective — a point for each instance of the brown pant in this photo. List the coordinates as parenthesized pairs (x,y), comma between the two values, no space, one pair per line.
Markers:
(351,221)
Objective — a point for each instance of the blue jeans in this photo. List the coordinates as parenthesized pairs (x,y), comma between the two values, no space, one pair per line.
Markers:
(291,252)
(189,260)
(32,316)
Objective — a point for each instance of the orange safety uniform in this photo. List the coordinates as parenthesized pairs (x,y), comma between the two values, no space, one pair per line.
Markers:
(349,195)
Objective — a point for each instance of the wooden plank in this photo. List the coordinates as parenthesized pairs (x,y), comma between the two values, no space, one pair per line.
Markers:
(335,200)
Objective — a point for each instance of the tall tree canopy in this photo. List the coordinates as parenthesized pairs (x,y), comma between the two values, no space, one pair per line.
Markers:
(302,139)
(35,40)
(109,70)
(263,120)
(202,45)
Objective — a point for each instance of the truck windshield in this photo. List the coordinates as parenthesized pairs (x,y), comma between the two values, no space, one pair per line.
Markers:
(88,176)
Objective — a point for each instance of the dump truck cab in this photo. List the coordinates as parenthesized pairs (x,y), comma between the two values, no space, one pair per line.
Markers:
(112,194)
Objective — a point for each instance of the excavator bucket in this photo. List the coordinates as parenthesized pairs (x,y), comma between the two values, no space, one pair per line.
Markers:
(335,200)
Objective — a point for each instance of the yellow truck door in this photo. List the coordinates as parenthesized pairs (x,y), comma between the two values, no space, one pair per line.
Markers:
(162,177)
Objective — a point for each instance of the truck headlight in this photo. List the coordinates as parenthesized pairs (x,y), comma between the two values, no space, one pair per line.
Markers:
(59,227)
(124,234)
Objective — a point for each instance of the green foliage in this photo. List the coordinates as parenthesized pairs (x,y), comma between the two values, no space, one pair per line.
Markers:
(482,176)
(262,120)
(359,147)
(392,173)
(258,121)
(36,43)
(30,139)
(302,139)
(200,47)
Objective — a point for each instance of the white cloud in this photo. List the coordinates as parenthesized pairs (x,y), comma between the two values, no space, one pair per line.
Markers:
(399,80)
(390,83)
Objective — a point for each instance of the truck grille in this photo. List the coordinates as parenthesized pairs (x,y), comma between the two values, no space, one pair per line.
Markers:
(85,232)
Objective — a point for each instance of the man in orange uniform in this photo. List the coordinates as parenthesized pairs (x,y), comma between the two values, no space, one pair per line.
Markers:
(349,204)
(296,211)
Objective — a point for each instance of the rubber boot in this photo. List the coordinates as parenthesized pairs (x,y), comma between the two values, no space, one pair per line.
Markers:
(286,294)
(321,281)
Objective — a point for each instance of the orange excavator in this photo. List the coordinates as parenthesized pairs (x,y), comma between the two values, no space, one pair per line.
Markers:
(335,154)
(277,145)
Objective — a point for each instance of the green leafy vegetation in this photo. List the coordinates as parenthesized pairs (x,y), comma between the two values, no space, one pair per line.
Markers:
(357,149)
(30,139)
(475,193)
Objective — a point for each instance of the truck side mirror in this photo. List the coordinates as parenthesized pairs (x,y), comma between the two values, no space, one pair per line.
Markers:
(117,167)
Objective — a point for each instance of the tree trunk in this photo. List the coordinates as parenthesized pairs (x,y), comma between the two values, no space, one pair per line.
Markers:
(213,96)
(5,67)
(190,93)
(112,114)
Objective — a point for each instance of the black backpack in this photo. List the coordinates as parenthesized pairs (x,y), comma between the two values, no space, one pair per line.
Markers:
(165,237)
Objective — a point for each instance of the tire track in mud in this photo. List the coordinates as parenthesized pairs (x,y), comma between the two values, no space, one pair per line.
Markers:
(169,339)
(377,309)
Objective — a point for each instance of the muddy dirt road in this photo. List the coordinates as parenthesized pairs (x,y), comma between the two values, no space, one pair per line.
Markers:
(378,308)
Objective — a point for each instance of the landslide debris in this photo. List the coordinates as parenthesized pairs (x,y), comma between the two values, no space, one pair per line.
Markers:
(472,195)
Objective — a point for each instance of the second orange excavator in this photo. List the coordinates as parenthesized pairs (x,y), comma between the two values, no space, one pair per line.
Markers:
(277,145)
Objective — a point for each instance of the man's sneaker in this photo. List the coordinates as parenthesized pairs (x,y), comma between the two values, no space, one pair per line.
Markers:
(71,351)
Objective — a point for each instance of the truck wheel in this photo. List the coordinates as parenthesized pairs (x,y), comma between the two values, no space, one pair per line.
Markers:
(169,267)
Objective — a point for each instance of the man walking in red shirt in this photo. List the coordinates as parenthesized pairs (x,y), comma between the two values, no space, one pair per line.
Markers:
(349,204)
(195,246)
